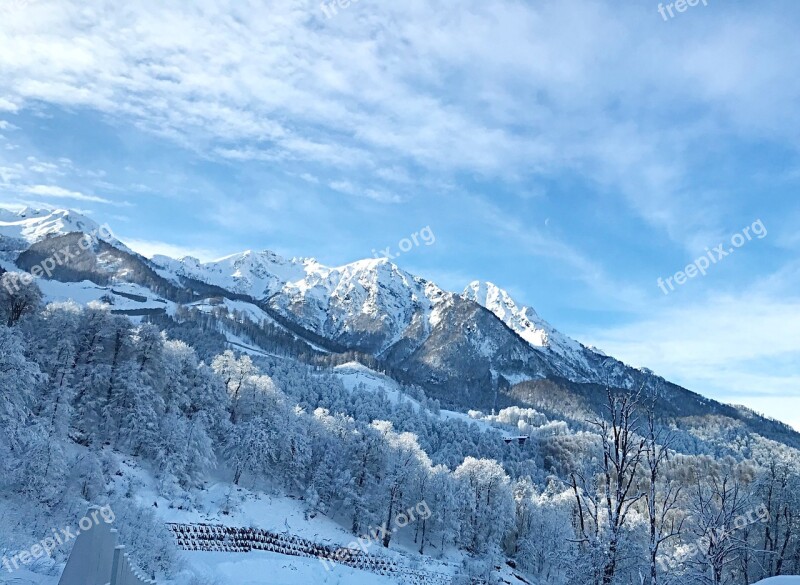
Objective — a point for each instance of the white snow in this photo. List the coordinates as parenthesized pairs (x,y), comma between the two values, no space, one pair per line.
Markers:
(87,291)
(278,514)
(259,568)
(26,577)
(515,379)
(327,296)
(250,311)
(353,374)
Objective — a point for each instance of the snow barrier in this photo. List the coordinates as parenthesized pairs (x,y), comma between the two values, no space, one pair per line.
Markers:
(218,538)
(96,559)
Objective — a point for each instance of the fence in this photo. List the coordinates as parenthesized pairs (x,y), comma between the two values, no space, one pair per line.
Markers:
(218,538)
(96,559)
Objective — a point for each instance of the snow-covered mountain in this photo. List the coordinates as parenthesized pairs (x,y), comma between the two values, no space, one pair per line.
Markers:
(255,274)
(478,349)
(33,225)
(371,306)
(369,303)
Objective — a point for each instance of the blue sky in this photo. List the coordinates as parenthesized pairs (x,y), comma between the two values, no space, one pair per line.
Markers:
(571,151)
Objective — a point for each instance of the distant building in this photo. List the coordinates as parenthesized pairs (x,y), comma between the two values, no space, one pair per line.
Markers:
(522,439)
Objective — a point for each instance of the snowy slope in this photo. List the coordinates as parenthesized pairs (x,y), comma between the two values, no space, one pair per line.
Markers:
(354,374)
(123,297)
(225,504)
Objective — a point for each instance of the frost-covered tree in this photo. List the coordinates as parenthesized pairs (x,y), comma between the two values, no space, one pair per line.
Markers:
(19,382)
(718,514)
(605,497)
(403,464)
(234,372)
(486,504)
(19,296)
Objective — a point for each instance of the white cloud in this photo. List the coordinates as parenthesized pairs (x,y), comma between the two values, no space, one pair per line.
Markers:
(732,347)
(56,192)
(7,106)
(379,195)
(506,90)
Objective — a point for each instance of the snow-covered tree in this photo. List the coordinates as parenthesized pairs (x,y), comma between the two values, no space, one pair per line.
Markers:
(19,296)
(606,497)
(486,504)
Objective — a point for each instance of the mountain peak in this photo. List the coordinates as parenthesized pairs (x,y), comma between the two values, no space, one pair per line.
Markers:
(498,300)
(524,321)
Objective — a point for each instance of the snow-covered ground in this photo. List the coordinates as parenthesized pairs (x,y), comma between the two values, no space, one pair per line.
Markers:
(228,505)
(25,577)
(265,568)
(354,374)
(250,312)
(124,296)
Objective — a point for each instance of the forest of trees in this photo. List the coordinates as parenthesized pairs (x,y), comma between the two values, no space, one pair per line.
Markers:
(624,499)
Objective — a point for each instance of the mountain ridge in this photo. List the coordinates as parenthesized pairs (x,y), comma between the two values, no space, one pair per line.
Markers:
(477,349)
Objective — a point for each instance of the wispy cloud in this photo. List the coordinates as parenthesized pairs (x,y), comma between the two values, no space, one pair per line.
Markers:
(506,92)
(576,264)
(733,347)
(55,192)
(379,195)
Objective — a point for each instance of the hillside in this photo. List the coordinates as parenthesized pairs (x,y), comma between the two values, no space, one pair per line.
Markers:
(280,411)
(476,350)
